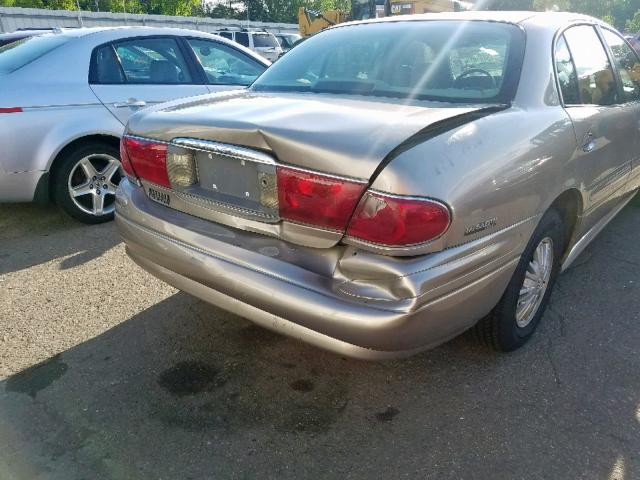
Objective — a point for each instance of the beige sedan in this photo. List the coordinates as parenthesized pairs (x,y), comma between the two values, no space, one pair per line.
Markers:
(390,184)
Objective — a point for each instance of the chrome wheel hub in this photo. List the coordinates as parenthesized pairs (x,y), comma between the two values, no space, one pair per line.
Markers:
(536,282)
(92,184)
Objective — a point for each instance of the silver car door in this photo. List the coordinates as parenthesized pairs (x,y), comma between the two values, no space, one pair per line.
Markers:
(627,65)
(129,74)
(225,67)
(601,127)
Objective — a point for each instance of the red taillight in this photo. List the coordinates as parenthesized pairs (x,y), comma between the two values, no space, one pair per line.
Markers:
(398,221)
(124,158)
(146,159)
(10,109)
(317,199)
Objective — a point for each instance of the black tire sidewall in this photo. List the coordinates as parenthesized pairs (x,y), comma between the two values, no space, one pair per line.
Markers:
(509,335)
(61,177)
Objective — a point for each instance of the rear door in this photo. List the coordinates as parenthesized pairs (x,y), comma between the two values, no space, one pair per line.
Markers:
(627,65)
(225,67)
(603,128)
(130,74)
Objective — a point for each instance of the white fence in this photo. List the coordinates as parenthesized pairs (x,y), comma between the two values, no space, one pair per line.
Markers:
(12,18)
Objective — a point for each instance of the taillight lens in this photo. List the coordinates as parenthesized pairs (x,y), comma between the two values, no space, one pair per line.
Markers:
(398,221)
(317,199)
(124,158)
(146,159)
(10,109)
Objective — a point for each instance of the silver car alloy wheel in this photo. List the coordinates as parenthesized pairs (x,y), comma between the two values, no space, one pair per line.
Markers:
(536,282)
(92,183)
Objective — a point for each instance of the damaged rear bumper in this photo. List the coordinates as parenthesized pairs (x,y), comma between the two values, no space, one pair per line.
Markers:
(352,302)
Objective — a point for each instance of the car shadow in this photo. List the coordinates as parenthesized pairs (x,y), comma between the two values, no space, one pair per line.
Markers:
(185,390)
(33,234)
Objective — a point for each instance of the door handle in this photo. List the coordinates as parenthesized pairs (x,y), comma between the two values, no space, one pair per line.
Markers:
(588,142)
(132,102)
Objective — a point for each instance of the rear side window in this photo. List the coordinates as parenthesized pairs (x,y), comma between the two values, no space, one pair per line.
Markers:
(152,61)
(567,77)
(596,81)
(242,38)
(264,40)
(107,68)
(226,35)
(17,54)
(627,64)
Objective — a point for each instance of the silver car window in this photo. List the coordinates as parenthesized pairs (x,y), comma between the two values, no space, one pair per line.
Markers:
(627,64)
(453,61)
(106,69)
(224,65)
(152,61)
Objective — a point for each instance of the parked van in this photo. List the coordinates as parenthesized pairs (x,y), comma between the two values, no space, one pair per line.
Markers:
(260,41)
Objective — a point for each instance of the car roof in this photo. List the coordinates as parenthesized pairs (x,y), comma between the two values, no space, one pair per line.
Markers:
(108,34)
(125,30)
(553,19)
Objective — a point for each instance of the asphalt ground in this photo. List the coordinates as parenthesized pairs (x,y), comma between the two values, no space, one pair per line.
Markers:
(106,372)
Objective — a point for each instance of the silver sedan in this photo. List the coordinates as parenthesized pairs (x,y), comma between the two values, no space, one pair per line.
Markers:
(66,96)
(390,184)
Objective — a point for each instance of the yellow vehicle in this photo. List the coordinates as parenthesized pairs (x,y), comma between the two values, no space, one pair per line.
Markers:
(310,22)
(409,7)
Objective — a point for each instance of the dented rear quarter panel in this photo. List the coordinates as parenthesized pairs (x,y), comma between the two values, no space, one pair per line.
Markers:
(489,171)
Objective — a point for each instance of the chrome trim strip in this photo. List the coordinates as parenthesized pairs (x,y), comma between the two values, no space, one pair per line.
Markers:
(224,149)
(324,174)
(145,139)
(228,208)
(409,197)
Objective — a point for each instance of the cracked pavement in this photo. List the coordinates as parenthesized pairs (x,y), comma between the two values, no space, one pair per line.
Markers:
(107,373)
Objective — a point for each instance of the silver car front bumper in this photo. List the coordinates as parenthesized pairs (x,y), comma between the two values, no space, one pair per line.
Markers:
(321,305)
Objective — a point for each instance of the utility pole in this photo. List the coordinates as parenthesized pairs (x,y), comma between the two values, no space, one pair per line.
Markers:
(79,14)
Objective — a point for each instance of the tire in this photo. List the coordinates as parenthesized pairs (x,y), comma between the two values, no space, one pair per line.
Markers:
(510,325)
(85,181)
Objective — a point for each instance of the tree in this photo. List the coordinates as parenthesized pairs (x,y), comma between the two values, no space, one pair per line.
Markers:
(633,24)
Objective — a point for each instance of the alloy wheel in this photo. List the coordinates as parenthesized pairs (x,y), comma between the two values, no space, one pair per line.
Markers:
(93,182)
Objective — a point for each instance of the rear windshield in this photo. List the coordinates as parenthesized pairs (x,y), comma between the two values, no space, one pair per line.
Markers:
(17,54)
(264,40)
(450,61)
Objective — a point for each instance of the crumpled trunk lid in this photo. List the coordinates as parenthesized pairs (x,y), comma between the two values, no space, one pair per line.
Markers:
(340,135)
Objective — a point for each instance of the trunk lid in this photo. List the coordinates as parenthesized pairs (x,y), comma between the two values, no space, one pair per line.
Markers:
(344,136)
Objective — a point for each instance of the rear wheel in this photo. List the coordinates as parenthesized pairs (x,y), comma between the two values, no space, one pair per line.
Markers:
(515,318)
(84,184)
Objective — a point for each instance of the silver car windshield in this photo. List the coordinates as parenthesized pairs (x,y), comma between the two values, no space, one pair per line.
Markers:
(17,54)
(451,61)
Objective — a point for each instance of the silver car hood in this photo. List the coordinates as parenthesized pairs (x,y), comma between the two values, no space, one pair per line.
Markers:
(341,135)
